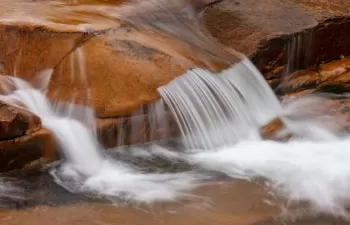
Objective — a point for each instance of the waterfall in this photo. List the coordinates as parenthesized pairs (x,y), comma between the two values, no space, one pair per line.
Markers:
(219,116)
(85,168)
(221,109)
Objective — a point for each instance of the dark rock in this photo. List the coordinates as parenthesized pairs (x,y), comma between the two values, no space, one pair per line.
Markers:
(16,122)
(20,152)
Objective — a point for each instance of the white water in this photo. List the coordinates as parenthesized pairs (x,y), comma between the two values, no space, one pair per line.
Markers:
(316,172)
(221,109)
(85,169)
(313,168)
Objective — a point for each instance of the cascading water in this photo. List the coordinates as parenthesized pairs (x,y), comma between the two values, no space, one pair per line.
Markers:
(214,110)
(219,116)
(220,112)
(85,168)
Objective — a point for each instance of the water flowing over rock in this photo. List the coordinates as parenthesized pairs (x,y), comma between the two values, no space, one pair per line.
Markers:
(150,53)
(22,138)
(214,110)
(94,73)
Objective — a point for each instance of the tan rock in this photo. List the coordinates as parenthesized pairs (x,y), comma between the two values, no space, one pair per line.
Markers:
(300,81)
(338,84)
(26,51)
(333,69)
(121,72)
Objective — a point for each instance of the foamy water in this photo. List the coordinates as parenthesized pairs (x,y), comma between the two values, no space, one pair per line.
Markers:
(85,168)
(311,167)
(316,172)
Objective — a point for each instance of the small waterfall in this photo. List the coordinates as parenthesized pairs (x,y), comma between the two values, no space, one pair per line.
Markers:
(158,121)
(75,138)
(85,169)
(221,109)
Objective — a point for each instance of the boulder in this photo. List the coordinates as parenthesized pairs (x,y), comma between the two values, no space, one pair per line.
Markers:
(26,51)
(121,72)
(18,153)
(22,140)
(16,122)
(126,61)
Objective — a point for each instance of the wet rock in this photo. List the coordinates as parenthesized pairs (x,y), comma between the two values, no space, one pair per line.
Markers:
(16,122)
(117,67)
(293,95)
(123,71)
(329,77)
(299,81)
(271,36)
(275,130)
(20,152)
(340,84)
(27,51)
(136,129)
(127,63)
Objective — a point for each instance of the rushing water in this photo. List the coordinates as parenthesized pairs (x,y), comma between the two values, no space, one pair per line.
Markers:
(215,110)
(220,118)
(85,168)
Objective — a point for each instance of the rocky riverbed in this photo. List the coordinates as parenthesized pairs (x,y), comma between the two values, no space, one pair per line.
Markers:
(113,55)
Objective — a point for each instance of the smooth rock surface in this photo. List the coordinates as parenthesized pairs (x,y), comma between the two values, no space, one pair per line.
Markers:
(121,73)
(126,64)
